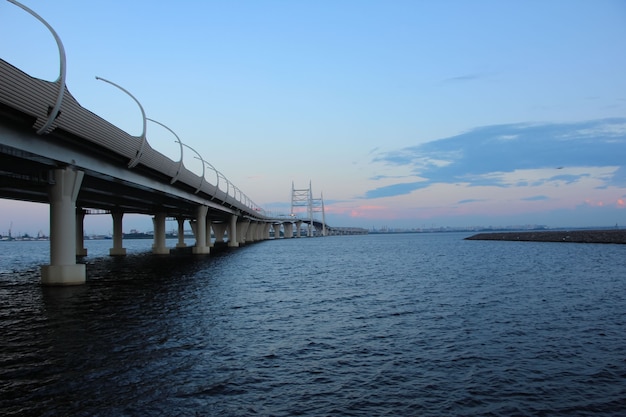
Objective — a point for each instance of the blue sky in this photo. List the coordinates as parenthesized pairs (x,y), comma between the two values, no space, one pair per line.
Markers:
(402,113)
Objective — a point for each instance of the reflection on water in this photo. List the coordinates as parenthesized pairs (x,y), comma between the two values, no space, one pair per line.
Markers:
(356,325)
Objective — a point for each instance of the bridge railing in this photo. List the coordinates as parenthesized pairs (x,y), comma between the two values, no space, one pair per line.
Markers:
(53,107)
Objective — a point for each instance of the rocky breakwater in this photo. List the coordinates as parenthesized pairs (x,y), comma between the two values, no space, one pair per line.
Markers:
(575,236)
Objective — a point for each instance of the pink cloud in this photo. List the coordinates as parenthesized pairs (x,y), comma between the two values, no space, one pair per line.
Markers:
(619,203)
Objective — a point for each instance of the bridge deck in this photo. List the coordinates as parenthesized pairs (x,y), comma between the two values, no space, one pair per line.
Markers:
(84,140)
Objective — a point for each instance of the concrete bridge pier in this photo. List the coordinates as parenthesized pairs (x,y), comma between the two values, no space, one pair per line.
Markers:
(288,230)
(159,247)
(181,233)
(266,231)
(80,233)
(219,229)
(276,228)
(251,235)
(262,231)
(250,232)
(232,232)
(201,247)
(63,269)
(298,230)
(242,231)
(117,249)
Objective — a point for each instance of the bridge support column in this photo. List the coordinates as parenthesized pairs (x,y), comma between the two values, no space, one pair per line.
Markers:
(242,231)
(181,233)
(232,232)
(276,230)
(266,231)
(209,224)
(251,235)
(63,269)
(117,249)
(219,229)
(159,247)
(201,247)
(298,228)
(80,233)
(288,230)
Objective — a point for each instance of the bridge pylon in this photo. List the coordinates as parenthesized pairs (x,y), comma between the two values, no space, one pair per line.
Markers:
(303,197)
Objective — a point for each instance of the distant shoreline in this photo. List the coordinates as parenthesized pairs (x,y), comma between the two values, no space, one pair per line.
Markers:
(574,236)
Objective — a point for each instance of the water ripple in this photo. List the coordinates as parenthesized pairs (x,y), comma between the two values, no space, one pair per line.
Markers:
(427,325)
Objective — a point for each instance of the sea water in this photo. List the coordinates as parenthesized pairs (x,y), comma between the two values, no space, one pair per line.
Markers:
(396,325)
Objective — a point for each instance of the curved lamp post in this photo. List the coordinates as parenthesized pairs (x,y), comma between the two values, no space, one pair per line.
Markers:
(225,180)
(228,188)
(54,112)
(217,178)
(203,169)
(180,163)
(235,190)
(242,198)
(133,162)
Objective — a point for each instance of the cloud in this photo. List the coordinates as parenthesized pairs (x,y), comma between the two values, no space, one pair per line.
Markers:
(523,154)
(536,198)
(471,200)
(568,179)
(392,190)
(464,78)
(618,178)
(385,177)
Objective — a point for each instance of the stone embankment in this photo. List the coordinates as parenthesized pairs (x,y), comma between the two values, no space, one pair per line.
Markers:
(576,236)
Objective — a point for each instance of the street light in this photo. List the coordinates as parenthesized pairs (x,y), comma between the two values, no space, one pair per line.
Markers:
(180,163)
(217,177)
(227,182)
(54,112)
(133,162)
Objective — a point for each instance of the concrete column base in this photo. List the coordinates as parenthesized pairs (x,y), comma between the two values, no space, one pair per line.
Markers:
(201,250)
(63,274)
(163,250)
(117,251)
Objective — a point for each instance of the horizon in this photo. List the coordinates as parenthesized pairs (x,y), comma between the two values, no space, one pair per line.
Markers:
(98,225)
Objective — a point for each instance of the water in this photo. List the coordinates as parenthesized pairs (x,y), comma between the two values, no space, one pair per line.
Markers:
(398,325)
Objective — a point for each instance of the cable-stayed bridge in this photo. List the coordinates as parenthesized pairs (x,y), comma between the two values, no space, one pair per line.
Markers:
(54,151)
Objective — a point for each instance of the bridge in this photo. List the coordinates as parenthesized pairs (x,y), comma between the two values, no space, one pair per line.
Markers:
(54,151)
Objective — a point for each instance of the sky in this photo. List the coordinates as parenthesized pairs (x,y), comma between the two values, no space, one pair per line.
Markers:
(400,114)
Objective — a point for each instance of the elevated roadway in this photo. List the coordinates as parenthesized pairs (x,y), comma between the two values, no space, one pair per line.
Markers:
(54,151)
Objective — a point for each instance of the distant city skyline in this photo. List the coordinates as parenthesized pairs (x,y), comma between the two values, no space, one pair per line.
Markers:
(401,113)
